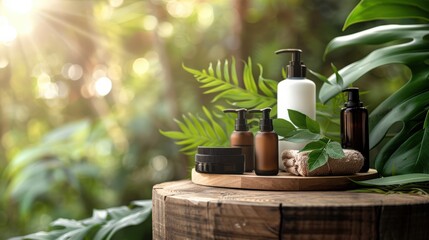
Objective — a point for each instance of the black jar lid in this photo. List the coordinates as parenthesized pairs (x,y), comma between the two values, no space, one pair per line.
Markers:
(219,150)
(220,160)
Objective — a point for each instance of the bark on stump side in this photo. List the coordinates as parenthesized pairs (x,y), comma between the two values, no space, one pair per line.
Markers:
(183,210)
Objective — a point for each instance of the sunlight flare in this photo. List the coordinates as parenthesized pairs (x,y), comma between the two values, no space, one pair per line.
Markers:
(141,66)
(8,32)
(21,7)
(103,86)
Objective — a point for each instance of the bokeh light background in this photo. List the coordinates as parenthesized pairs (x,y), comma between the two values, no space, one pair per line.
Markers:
(85,86)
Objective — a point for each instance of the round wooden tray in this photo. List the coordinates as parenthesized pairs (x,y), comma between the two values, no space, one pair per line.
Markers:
(282,182)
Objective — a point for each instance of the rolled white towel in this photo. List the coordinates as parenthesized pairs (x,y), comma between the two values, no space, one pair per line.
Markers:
(295,162)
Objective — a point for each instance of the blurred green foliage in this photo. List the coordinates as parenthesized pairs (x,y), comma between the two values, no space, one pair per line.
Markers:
(85,86)
(112,223)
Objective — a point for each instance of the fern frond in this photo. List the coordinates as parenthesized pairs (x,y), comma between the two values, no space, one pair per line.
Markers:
(222,81)
(197,131)
(267,86)
(248,79)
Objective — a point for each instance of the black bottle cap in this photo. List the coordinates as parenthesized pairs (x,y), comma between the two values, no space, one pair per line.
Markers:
(296,68)
(265,123)
(240,121)
(353,97)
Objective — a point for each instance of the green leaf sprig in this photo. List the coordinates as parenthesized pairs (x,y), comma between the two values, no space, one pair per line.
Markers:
(303,129)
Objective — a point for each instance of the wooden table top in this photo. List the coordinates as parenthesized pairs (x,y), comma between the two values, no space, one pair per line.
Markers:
(184,210)
(186,190)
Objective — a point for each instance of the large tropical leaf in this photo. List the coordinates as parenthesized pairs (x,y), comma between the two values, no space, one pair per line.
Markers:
(412,98)
(404,44)
(368,10)
(407,152)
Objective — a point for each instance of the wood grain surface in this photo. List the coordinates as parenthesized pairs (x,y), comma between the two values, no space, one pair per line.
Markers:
(282,182)
(184,210)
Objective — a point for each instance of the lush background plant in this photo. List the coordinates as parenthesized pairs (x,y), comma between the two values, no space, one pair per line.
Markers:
(85,86)
(404,44)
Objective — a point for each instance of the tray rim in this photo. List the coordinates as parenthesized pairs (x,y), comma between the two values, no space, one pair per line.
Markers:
(282,182)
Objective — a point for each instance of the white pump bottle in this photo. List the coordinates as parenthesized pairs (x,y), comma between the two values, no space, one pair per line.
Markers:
(295,92)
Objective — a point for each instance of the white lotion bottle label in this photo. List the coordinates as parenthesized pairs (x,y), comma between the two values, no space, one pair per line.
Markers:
(299,95)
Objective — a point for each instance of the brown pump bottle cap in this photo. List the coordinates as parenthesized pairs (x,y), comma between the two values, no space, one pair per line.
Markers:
(240,121)
(265,123)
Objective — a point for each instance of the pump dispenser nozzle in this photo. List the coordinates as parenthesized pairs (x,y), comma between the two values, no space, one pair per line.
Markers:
(240,121)
(353,97)
(266,123)
(296,68)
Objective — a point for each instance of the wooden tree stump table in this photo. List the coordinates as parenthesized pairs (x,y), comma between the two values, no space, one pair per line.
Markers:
(184,210)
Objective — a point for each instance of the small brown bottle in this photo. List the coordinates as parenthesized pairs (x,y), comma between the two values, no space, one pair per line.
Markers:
(354,126)
(266,146)
(243,138)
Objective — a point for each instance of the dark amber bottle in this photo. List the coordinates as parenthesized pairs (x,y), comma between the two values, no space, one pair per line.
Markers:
(266,146)
(243,138)
(354,126)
